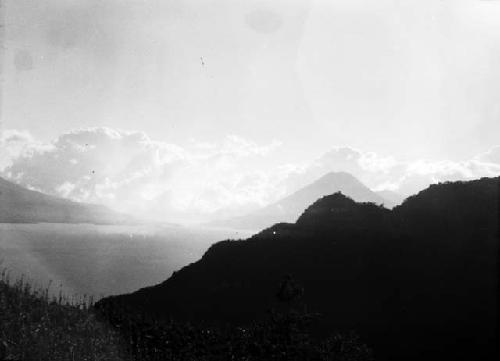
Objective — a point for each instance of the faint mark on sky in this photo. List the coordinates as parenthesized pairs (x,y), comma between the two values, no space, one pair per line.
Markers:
(23,60)
(263,21)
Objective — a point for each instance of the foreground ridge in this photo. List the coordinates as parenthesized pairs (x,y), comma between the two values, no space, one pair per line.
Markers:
(411,281)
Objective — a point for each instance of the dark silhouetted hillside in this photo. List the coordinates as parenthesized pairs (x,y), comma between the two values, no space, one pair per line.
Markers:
(289,208)
(418,282)
(21,205)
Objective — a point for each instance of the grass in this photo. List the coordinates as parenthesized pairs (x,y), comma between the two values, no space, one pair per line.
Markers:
(37,326)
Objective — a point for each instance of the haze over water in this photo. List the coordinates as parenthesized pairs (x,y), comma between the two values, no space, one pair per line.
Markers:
(102,260)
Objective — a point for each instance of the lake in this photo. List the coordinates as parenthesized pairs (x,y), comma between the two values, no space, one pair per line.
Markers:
(102,260)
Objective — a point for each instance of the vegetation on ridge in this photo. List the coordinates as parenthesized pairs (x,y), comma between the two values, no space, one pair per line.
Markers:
(35,326)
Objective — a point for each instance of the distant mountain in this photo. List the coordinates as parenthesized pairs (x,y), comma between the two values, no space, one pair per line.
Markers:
(418,282)
(21,205)
(289,208)
(392,198)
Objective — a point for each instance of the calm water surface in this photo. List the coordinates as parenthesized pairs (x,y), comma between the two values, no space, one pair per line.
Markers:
(101,260)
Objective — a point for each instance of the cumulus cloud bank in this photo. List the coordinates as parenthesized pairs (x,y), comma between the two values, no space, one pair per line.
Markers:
(388,173)
(133,173)
(14,143)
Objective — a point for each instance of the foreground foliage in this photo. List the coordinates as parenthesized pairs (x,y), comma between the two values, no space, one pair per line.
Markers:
(36,326)
(283,337)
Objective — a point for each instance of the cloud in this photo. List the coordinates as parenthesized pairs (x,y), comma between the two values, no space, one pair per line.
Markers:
(96,165)
(233,146)
(368,167)
(221,178)
(388,173)
(14,143)
(491,156)
(133,173)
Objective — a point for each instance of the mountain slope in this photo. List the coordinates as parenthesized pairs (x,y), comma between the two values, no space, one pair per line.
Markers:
(418,282)
(21,205)
(289,208)
(392,198)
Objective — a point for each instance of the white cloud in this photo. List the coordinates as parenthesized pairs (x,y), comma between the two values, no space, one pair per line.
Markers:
(99,165)
(133,173)
(65,189)
(388,173)
(491,156)
(14,143)
(237,146)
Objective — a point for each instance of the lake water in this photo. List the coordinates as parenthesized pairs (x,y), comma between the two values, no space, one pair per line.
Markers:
(102,260)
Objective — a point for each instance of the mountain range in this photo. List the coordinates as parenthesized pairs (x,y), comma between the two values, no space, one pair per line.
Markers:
(289,208)
(418,282)
(21,205)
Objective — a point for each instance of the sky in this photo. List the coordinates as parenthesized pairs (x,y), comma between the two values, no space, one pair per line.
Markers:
(190,108)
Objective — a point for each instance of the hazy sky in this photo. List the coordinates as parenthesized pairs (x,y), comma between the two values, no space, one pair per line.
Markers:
(287,81)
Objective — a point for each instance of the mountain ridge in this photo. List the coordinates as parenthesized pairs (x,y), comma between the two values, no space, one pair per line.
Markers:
(22,205)
(289,208)
(411,278)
